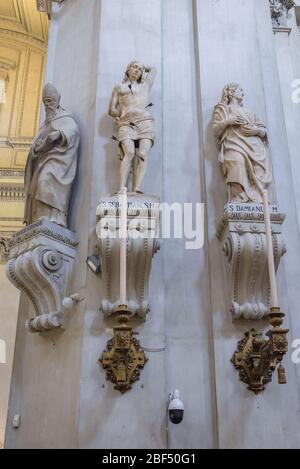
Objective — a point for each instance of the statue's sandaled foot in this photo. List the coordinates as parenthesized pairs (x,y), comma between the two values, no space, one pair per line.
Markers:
(138,192)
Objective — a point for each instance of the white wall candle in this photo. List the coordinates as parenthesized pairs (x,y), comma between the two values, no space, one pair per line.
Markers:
(123,245)
(271,263)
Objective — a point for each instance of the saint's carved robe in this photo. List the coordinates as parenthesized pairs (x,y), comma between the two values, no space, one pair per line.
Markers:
(243,157)
(49,176)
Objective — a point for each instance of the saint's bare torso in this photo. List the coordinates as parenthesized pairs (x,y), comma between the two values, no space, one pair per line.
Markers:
(133,101)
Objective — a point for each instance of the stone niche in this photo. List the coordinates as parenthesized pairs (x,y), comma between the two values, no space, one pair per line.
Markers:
(241,232)
(142,245)
(40,263)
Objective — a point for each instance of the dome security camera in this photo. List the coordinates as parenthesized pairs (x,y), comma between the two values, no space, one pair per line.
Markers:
(176,408)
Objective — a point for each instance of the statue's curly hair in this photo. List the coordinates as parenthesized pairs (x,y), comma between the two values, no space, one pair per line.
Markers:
(126,76)
(228,91)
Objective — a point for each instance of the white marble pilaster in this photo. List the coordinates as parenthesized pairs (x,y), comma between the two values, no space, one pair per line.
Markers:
(189,354)
(287,45)
(236,44)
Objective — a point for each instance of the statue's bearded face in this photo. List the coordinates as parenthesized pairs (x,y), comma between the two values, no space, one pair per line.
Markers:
(135,71)
(50,104)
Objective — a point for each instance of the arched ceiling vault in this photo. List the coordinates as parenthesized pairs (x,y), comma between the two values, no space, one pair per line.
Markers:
(21,17)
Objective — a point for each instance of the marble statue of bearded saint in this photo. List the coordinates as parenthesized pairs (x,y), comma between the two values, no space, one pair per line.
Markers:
(52,163)
(129,106)
(243,148)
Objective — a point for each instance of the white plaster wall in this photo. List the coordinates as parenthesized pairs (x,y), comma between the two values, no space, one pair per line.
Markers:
(237,44)
(58,387)
(189,354)
(287,46)
(9,302)
(135,419)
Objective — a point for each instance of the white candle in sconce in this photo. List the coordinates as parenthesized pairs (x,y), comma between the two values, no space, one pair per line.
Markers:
(123,245)
(271,263)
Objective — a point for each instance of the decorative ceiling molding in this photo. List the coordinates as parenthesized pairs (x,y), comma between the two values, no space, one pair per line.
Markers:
(11,193)
(11,173)
(22,17)
(7,64)
(15,141)
(23,39)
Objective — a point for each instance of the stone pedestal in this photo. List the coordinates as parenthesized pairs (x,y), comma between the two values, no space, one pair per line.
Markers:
(40,263)
(142,245)
(242,235)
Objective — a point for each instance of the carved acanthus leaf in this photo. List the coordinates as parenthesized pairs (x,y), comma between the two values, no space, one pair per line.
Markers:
(280,9)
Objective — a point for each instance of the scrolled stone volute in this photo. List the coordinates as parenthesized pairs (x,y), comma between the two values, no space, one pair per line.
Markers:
(40,264)
(142,245)
(241,233)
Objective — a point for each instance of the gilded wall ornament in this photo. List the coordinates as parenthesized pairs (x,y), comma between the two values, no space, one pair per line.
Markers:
(257,358)
(123,358)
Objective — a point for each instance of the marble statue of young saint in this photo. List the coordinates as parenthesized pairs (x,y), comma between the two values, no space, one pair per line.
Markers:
(129,105)
(51,164)
(243,148)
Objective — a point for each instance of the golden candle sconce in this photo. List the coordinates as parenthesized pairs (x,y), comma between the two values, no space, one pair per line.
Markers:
(257,357)
(123,358)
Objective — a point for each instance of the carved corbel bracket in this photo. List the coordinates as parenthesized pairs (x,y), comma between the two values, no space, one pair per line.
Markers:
(241,232)
(40,263)
(142,244)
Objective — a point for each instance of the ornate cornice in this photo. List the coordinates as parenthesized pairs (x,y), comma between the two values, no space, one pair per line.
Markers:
(11,193)
(251,217)
(11,173)
(19,140)
(44,227)
(24,38)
